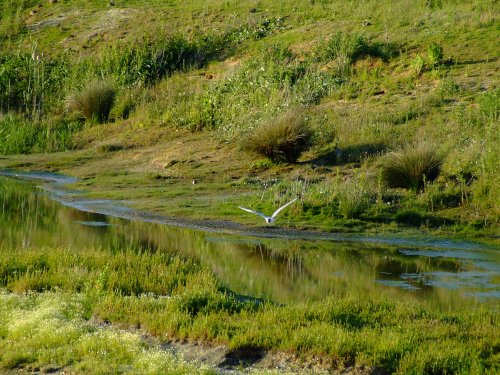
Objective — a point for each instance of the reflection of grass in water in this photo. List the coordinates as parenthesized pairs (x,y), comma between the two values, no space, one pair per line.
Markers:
(171,297)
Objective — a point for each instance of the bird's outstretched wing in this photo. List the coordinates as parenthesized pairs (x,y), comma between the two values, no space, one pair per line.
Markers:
(282,207)
(254,212)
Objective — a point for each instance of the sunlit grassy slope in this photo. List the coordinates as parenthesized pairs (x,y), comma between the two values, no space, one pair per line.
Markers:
(192,81)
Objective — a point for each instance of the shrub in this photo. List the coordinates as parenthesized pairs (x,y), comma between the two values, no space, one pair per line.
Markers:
(124,107)
(94,101)
(30,83)
(282,140)
(411,166)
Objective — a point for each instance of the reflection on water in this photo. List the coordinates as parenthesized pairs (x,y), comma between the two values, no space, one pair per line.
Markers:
(281,270)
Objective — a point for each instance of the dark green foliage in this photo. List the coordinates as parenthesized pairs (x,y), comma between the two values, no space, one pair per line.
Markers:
(94,101)
(410,216)
(207,302)
(29,82)
(282,140)
(411,166)
(353,47)
(148,62)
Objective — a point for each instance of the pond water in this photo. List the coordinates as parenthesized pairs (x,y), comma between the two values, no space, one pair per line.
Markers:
(442,274)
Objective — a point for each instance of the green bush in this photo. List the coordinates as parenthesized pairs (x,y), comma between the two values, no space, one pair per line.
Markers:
(282,140)
(411,166)
(94,101)
(263,88)
(124,107)
(435,54)
(11,14)
(147,62)
(411,216)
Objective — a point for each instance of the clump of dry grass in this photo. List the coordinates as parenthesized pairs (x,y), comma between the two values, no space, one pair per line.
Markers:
(94,101)
(282,140)
(410,166)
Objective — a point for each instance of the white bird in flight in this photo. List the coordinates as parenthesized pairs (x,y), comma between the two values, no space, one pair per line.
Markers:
(268,219)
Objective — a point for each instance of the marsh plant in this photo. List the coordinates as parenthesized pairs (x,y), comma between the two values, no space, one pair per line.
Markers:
(94,101)
(281,140)
(410,166)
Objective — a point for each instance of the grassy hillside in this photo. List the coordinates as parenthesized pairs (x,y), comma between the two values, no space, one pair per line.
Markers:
(377,114)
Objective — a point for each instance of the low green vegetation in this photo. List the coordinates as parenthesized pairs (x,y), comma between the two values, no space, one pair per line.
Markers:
(19,135)
(381,108)
(174,298)
(47,332)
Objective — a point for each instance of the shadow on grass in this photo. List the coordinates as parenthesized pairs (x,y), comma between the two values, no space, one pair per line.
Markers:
(350,154)
(245,357)
(413,217)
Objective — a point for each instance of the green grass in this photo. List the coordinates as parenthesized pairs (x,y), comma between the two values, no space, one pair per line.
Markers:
(22,136)
(174,298)
(47,332)
(367,78)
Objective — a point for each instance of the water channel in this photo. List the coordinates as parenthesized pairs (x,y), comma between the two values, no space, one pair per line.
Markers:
(439,273)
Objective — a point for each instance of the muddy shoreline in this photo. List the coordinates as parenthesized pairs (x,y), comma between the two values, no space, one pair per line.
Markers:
(55,185)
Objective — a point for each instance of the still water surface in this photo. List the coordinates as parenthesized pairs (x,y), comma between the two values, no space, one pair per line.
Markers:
(443,274)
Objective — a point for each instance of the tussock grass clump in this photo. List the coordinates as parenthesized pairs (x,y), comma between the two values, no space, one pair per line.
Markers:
(411,166)
(94,101)
(282,140)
